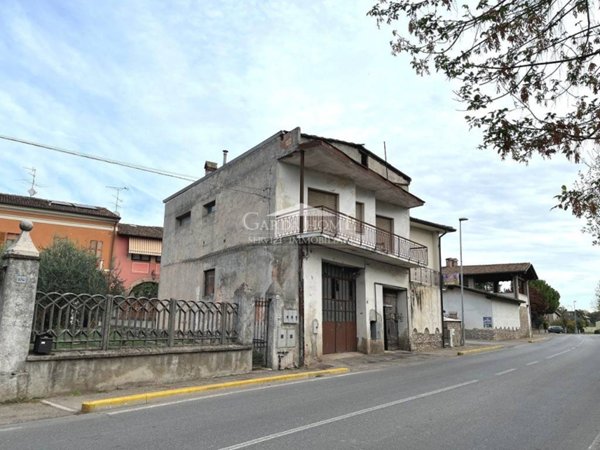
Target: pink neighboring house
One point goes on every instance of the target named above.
(137, 254)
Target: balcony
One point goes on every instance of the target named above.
(337, 229)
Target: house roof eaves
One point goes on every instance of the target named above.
(490, 295)
(142, 231)
(360, 147)
(34, 203)
(438, 226)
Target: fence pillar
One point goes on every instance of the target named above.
(245, 320)
(275, 295)
(18, 284)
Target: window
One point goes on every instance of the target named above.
(184, 219)
(360, 216)
(209, 282)
(96, 248)
(11, 238)
(138, 257)
(157, 259)
(210, 207)
(364, 159)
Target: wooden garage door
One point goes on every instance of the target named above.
(339, 309)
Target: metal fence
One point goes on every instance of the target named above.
(349, 230)
(260, 342)
(97, 322)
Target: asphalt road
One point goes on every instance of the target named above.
(532, 396)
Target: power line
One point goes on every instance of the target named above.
(99, 158)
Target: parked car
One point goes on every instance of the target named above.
(556, 329)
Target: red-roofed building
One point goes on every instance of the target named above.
(91, 227)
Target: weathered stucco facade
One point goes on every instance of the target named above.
(319, 225)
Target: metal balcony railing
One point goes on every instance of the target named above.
(349, 230)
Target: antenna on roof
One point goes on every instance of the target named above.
(32, 191)
(116, 197)
(387, 175)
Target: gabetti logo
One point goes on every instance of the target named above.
(287, 222)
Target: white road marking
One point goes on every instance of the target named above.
(237, 391)
(345, 416)
(505, 372)
(558, 354)
(595, 444)
(57, 406)
(10, 429)
(532, 363)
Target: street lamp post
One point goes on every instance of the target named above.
(462, 292)
(575, 316)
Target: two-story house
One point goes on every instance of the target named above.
(90, 227)
(495, 298)
(321, 224)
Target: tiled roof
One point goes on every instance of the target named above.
(143, 231)
(56, 205)
(490, 269)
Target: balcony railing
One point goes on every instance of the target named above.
(349, 230)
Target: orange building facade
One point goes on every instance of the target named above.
(90, 227)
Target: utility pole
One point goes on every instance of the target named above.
(462, 290)
(575, 316)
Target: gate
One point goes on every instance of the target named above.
(260, 342)
(339, 309)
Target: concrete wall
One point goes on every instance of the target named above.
(105, 371)
(505, 315)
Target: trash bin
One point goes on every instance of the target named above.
(42, 345)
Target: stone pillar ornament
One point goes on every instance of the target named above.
(18, 283)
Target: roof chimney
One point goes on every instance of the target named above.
(209, 167)
(451, 262)
(225, 156)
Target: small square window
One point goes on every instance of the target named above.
(210, 207)
(157, 259)
(184, 219)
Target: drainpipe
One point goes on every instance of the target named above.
(440, 236)
(301, 266)
(112, 247)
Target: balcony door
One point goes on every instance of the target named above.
(324, 219)
(385, 227)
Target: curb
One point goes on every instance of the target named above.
(94, 405)
(480, 350)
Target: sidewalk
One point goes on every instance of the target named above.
(14, 413)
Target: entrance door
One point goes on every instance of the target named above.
(385, 227)
(325, 219)
(339, 309)
(390, 318)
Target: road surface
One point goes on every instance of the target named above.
(533, 396)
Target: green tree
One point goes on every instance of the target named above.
(544, 299)
(148, 289)
(528, 74)
(66, 268)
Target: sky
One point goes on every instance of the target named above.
(169, 85)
